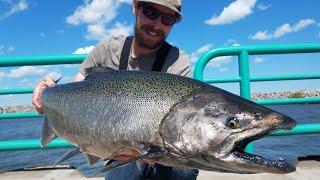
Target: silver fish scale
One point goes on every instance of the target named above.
(116, 110)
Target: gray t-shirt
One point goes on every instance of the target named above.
(107, 54)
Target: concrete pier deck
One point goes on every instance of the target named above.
(306, 170)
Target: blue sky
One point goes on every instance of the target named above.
(31, 27)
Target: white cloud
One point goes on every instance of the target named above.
(195, 55)
(15, 8)
(215, 63)
(70, 66)
(2, 74)
(95, 32)
(28, 82)
(7, 97)
(261, 35)
(1, 49)
(26, 70)
(223, 69)
(10, 49)
(119, 29)
(258, 60)
(96, 14)
(230, 42)
(283, 30)
(237, 10)
(219, 61)
(4, 49)
(98, 31)
(42, 35)
(302, 24)
(84, 50)
(263, 7)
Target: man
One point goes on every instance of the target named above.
(146, 51)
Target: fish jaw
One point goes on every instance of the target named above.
(199, 134)
(260, 129)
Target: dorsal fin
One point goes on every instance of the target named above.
(93, 72)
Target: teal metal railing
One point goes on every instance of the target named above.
(244, 79)
(29, 144)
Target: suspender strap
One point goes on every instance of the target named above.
(161, 56)
(125, 53)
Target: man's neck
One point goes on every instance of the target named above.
(137, 51)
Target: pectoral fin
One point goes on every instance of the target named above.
(153, 152)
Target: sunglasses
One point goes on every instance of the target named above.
(153, 14)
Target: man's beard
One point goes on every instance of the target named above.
(148, 43)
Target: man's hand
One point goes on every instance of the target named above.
(44, 83)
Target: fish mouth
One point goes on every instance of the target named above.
(259, 163)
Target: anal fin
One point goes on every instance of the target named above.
(92, 158)
(47, 134)
(68, 155)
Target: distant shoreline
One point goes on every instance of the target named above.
(286, 94)
(255, 96)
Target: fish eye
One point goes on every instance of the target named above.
(233, 122)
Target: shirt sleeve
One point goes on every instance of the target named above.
(181, 66)
(96, 57)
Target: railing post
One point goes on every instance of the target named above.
(244, 74)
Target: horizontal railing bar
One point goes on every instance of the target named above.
(33, 144)
(17, 115)
(41, 60)
(285, 77)
(252, 50)
(16, 91)
(264, 78)
(289, 101)
(223, 80)
(281, 49)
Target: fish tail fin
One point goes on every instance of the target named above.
(68, 155)
(47, 134)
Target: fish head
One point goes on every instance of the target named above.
(211, 130)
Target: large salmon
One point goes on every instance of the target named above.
(174, 120)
